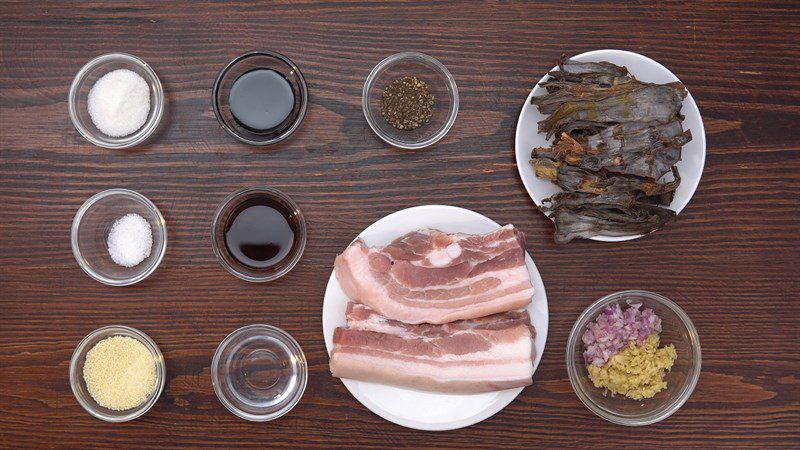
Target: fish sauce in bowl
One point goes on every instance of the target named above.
(258, 234)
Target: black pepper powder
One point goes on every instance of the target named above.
(407, 103)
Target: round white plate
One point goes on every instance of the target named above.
(417, 409)
(693, 155)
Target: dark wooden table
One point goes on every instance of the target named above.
(731, 260)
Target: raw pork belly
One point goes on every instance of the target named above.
(434, 277)
(468, 356)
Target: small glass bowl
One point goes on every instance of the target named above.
(78, 384)
(90, 229)
(224, 214)
(677, 329)
(85, 80)
(442, 85)
(259, 372)
(245, 63)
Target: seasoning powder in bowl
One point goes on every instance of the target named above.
(119, 102)
(120, 373)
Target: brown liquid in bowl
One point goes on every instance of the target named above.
(260, 233)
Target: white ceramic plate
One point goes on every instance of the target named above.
(412, 408)
(693, 155)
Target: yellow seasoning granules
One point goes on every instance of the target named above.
(120, 373)
(637, 372)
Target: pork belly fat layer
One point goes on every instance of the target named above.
(467, 356)
(428, 276)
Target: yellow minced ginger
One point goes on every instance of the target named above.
(636, 372)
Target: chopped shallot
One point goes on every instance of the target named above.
(614, 329)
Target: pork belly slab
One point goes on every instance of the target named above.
(429, 276)
(467, 356)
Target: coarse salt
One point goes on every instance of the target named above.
(119, 102)
(130, 240)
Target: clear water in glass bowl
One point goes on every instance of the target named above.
(259, 372)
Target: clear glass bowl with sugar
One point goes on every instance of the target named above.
(78, 99)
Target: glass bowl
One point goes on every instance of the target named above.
(247, 62)
(90, 229)
(79, 99)
(259, 372)
(442, 85)
(78, 384)
(230, 207)
(677, 329)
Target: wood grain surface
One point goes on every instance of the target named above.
(730, 260)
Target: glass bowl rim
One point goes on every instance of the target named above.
(302, 233)
(143, 133)
(303, 99)
(152, 347)
(76, 221)
(646, 418)
(449, 81)
(285, 338)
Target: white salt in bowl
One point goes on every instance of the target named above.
(90, 229)
(85, 80)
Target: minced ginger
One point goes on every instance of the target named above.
(636, 372)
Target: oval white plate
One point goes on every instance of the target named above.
(425, 410)
(693, 155)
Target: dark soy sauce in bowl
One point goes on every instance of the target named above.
(261, 100)
(260, 97)
(258, 234)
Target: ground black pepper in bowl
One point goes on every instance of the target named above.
(407, 103)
